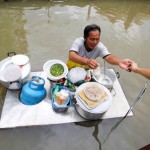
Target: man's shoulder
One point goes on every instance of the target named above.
(101, 45)
(79, 40)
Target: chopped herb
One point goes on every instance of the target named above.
(56, 70)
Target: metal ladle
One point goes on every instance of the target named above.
(105, 81)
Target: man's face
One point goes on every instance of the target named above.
(93, 39)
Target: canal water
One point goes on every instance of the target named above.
(45, 30)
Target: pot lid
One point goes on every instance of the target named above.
(20, 59)
(12, 73)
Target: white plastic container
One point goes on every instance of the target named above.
(97, 72)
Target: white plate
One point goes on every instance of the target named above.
(12, 73)
(3, 64)
(104, 106)
(20, 59)
(25, 69)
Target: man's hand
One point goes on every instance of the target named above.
(125, 64)
(92, 63)
(133, 67)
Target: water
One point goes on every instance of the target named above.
(45, 30)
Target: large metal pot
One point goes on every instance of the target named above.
(106, 75)
(98, 111)
(25, 70)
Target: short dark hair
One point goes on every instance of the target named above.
(89, 28)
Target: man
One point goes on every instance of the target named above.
(86, 49)
(141, 71)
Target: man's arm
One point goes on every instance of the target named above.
(143, 72)
(123, 63)
(112, 59)
(76, 58)
(82, 60)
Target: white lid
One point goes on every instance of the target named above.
(12, 73)
(20, 59)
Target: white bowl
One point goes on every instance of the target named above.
(48, 65)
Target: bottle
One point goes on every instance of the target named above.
(97, 72)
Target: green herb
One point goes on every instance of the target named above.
(56, 70)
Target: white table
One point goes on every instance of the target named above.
(16, 114)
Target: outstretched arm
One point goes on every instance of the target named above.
(141, 71)
(123, 63)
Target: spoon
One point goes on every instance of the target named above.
(105, 80)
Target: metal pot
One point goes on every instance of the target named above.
(107, 74)
(25, 70)
(98, 111)
(87, 115)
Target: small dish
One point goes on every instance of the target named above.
(20, 59)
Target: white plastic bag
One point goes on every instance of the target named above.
(76, 74)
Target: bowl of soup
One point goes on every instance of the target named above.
(55, 69)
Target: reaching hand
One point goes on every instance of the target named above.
(125, 64)
(133, 66)
(92, 63)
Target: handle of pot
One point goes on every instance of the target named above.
(113, 92)
(19, 81)
(8, 54)
(74, 101)
(118, 75)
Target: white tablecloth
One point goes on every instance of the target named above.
(16, 114)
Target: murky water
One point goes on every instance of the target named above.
(45, 30)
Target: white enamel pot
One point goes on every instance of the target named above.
(14, 85)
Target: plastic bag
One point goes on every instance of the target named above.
(76, 74)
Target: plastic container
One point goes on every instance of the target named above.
(57, 107)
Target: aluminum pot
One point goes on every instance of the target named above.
(25, 70)
(107, 74)
(98, 111)
(87, 115)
